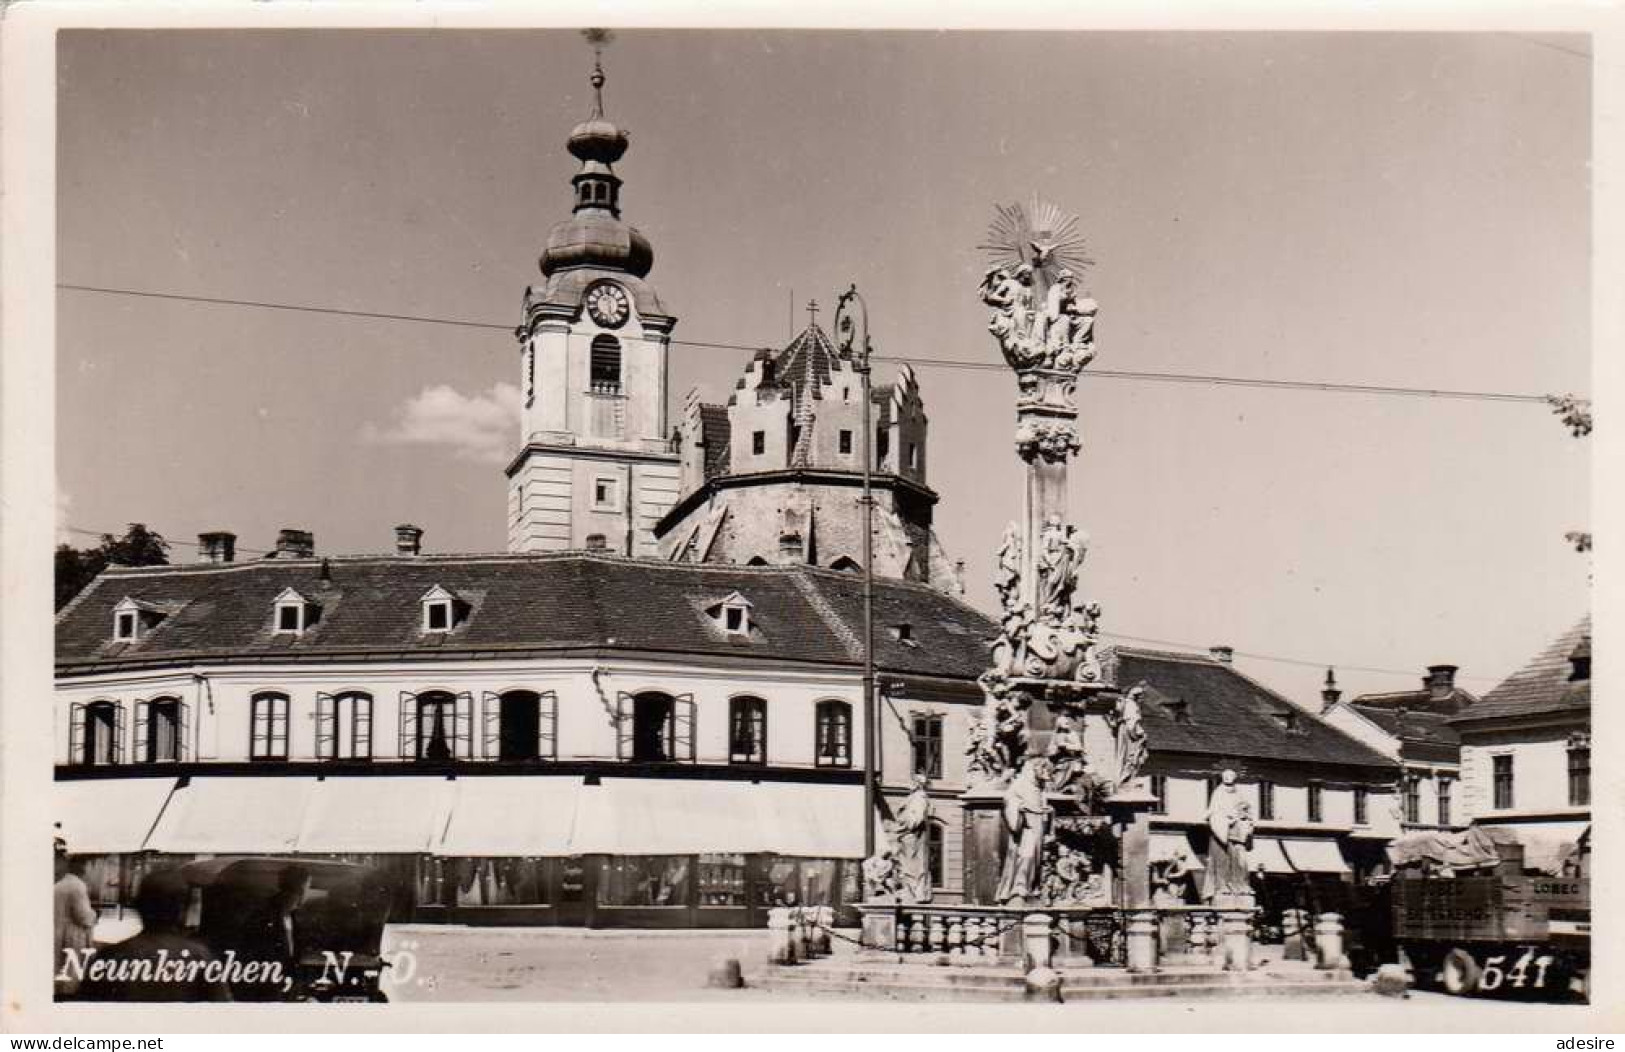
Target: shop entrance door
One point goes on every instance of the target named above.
(577, 890)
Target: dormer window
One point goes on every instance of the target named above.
(134, 620)
(903, 632)
(294, 613)
(1580, 661)
(732, 615)
(441, 610)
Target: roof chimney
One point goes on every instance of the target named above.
(1222, 654)
(1329, 694)
(295, 544)
(408, 539)
(217, 547)
(1440, 681)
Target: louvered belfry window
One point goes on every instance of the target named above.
(606, 365)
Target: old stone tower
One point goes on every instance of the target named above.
(773, 477)
(595, 468)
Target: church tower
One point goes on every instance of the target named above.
(596, 467)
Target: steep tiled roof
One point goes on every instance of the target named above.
(1430, 728)
(805, 365)
(715, 432)
(1422, 700)
(371, 606)
(1228, 714)
(1543, 686)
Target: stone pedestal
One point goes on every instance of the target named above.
(1294, 937)
(1236, 939)
(879, 927)
(1141, 936)
(1329, 942)
(984, 843)
(1037, 941)
(1130, 810)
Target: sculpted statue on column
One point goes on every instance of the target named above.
(1027, 818)
(912, 848)
(1230, 824)
(1128, 734)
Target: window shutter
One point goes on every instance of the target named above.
(116, 753)
(361, 714)
(547, 726)
(409, 725)
(143, 730)
(462, 744)
(76, 733)
(623, 725)
(327, 727)
(491, 725)
(682, 718)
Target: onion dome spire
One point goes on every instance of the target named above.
(595, 236)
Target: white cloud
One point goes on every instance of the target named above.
(481, 427)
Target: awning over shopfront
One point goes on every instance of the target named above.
(105, 817)
(659, 816)
(519, 816)
(810, 821)
(1315, 856)
(1545, 844)
(1266, 854)
(230, 815)
(378, 815)
(1166, 846)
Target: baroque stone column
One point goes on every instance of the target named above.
(1056, 742)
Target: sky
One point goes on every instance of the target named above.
(1390, 209)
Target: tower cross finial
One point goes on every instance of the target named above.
(812, 312)
(598, 38)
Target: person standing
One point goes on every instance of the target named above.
(73, 921)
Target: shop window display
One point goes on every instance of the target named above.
(484, 882)
(799, 882)
(645, 880)
(722, 880)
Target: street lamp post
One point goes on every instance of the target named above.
(852, 330)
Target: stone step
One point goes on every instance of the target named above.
(921, 989)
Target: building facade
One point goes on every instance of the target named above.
(1413, 727)
(1526, 751)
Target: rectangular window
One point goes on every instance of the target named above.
(437, 617)
(722, 880)
(913, 456)
(882, 445)
(1580, 775)
(269, 740)
(124, 627)
(1501, 780)
(1266, 801)
(1362, 806)
(747, 739)
(846, 441)
(1413, 798)
(758, 443)
(834, 734)
(1444, 801)
(605, 494)
(287, 618)
(928, 746)
(1315, 811)
(1159, 789)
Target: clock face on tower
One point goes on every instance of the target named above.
(608, 305)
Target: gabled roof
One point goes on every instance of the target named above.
(1541, 688)
(1230, 714)
(1428, 728)
(716, 433)
(520, 603)
(1421, 700)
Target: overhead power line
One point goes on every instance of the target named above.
(931, 363)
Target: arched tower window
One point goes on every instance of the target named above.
(606, 365)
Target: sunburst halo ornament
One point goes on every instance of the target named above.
(1039, 235)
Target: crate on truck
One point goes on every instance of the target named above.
(1474, 919)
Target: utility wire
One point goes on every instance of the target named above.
(932, 363)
